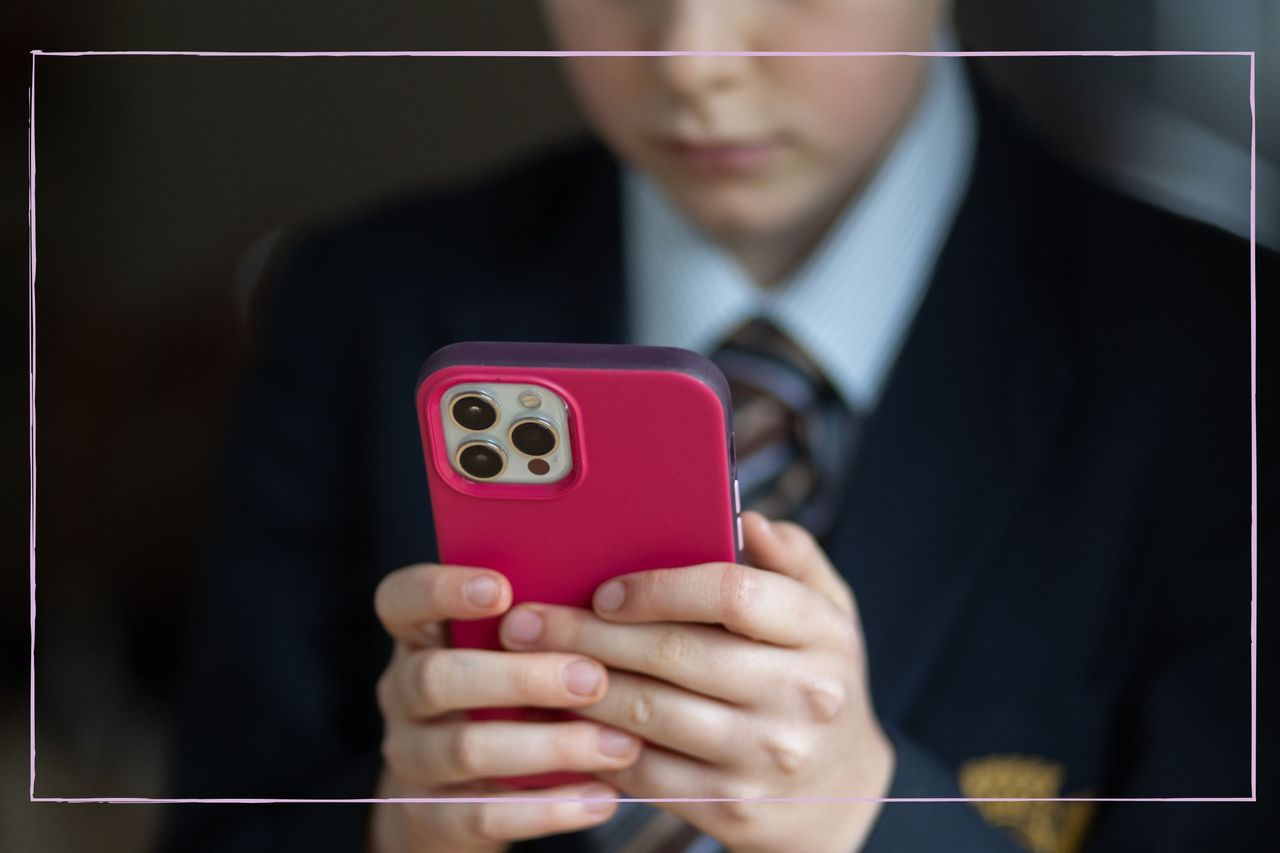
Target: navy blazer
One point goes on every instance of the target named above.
(1047, 525)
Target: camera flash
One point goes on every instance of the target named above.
(530, 400)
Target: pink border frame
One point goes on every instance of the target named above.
(1253, 387)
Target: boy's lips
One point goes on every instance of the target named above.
(720, 156)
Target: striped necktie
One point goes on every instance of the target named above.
(794, 437)
(794, 434)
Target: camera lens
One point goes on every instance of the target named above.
(481, 460)
(474, 412)
(533, 438)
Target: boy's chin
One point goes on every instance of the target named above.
(739, 219)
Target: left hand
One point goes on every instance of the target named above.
(745, 683)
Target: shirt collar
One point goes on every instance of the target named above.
(851, 302)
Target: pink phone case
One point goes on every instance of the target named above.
(653, 481)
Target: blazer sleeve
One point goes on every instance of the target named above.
(266, 707)
(924, 826)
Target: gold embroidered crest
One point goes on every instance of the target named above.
(1040, 827)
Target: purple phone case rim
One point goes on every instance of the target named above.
(588, 357)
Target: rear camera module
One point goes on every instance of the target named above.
(481, 460)
(474, 412)
(533, 437)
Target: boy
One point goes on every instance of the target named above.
(1043, 513)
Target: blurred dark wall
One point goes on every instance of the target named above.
(158, 177)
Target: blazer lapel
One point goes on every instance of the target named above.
(966, 419)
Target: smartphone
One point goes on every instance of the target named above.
(563, 465)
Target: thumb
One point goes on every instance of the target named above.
(788, 549)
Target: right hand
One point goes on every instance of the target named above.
(431, 749)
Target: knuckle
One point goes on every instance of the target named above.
(384, 595)
(656, 589)
(530, 682)
(429, 579)
(565, 627)
(380, 595)
(409, 582)
(558, 817)
(384, 690)
(788, 751)
(484, 823)
(392, 754)
(574, 745)
(795, 535)
(420, 758)
(671, 648)
(465, 751)
(631, 776)
(432, 634)
(429, 674)
(420, 585)
(825, 699)
(739, 591)
(421, 818)
(736, 806)
(639, 708)
(404, 755)
(849, 639)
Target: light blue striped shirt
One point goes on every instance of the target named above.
(850, 304)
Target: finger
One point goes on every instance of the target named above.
(663, 714)
(568, 808)
(661, 774)
(755, 603)
(409, 599)
(446, 753)
(701, 658)
(431, 682)
(789, 549)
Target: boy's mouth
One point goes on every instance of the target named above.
(720, 156)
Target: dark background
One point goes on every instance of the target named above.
(162, 182)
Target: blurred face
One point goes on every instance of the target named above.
(761, 152)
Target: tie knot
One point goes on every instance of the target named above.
(761, 356)
(792, 430)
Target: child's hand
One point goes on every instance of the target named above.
(431, 749)
(772, 704)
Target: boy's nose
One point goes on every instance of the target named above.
(703, 25)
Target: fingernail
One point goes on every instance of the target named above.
(582, 677)
(481, 591)
(524, 626)
(610, 596)
(598, 798)
(615, 743)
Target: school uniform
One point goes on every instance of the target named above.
(1046, 521)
